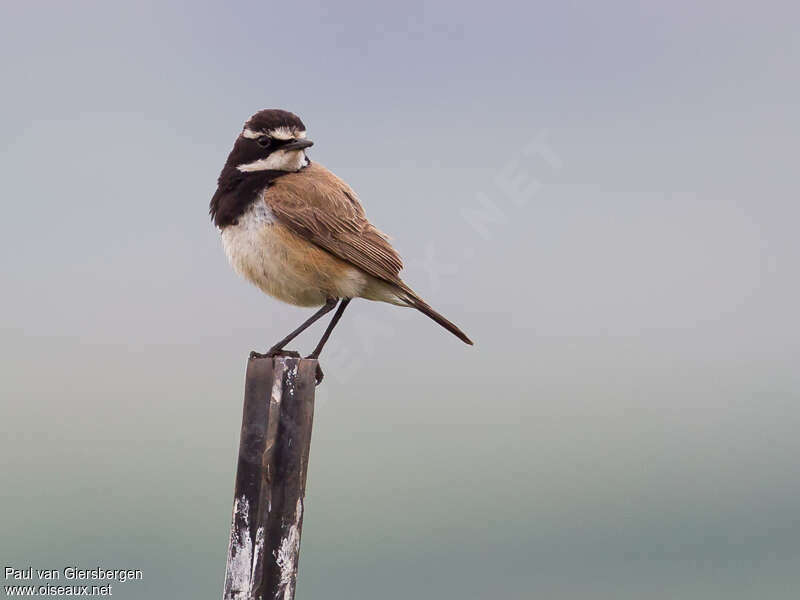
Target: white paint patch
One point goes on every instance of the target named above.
(280, 160)
(279, 133)
(258, 552)
(286, 555)
(291, 379)
(244, 552)
(277, 387)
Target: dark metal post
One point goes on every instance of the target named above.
(270, 479)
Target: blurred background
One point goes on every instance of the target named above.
(603, 195)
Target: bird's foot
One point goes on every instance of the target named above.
(272, 353)
(319, 375)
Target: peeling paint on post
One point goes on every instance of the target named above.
(270, 479)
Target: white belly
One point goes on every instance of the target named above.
(282, 265)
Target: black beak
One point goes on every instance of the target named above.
(297, 145)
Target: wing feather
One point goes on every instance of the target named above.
(320, 207)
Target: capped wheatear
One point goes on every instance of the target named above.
(299, 233)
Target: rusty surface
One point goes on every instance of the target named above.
(270, 479)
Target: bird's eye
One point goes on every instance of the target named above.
(264, 141)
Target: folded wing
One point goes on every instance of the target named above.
(320, 207)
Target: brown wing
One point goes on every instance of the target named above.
(317, 205)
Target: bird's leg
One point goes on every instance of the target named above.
(277, 349)
(315, 354)
(337, 315)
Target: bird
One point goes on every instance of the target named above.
(300, 234)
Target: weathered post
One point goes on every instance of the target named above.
(270, 479)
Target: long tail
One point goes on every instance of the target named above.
(425, 309)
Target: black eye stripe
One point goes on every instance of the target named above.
(267, 142)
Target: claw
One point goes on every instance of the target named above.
(319, 375)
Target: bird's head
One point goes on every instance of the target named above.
(272, 143)
(271, 140)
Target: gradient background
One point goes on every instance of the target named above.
(604, 196)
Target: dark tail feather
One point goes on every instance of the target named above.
(425, 309)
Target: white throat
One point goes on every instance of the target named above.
(280, 160)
